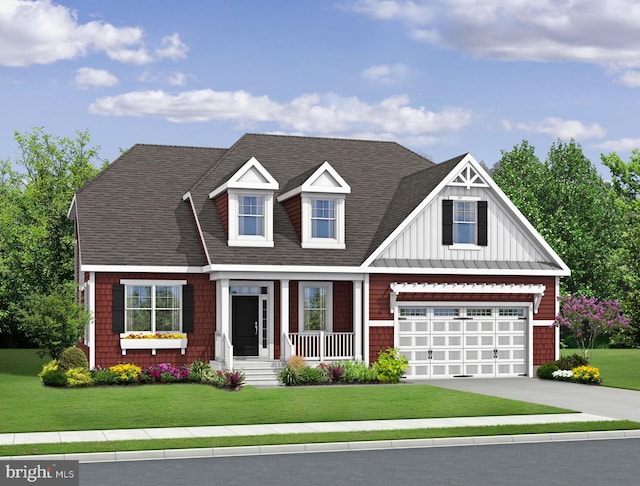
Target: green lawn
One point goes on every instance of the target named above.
(28, 406)
(619, 368)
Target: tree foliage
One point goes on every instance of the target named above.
(52, 321)
(36, 238)
(572, 207)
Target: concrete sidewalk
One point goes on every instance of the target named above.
(293, 428)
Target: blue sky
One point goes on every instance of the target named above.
(441, 77)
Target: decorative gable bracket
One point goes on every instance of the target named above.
(468, 177)
(425, 288)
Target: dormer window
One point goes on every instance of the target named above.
(247, 200)
(323, 218)
(250, 215)
(464, 223)
(320, 213)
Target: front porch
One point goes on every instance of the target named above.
(273, 320)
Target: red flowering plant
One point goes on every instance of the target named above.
(164, 373)
(587, 318)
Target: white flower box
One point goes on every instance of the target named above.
(152, 344)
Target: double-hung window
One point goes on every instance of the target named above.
(251, 215)
(153, 308)
(464, 222)
(316, 308)
(323, 218)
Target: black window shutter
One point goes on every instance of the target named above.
(447, 222)
(117, 308)
(187, 308)
(482, 223)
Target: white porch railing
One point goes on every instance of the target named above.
(225, 348)
(323, 345)
(288, 349)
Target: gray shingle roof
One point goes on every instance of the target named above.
(133, 212)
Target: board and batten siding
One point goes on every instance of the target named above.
(508, 239)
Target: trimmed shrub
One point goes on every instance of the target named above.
(73, 357)
(77, 377)
(390, 365)
(570, 362)
(545, 371)
(55, 378)
(105, 377)
(358, 372)
(313, 376)
(50, 366)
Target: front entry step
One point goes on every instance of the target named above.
(258, 372)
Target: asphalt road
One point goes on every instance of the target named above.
(584, 463)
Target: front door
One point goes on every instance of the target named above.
(244, 325)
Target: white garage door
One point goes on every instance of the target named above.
(443, 342)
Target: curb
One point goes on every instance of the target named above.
(152, 455)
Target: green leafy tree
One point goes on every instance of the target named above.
(36, 238)
(572, 207)
(52, 321)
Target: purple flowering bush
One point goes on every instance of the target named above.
(164, 373)
(587, 318)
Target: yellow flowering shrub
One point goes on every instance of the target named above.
(127, 372)
(586, 374)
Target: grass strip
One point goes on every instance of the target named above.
(307, 438)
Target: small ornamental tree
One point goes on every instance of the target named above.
(587, 318)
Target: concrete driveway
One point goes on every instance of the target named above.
(597, 400)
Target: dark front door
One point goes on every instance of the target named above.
(244, 324)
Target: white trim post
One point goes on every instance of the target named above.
(92, 321)
(357, 319)
(365, 318)
(284, 315)
(223, 307)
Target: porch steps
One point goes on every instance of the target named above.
(259, 373)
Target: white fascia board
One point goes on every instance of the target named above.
(418, 209)
(297, 269)
(72, 211)
(140, 269)
(188, 197)
(306, 276)
(466, 271)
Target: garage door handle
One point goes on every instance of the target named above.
(495, 354)
(430, 356)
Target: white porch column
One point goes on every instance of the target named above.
(284, 314)
(92, 321)
(357, 319)
(365, 317)
(222, 307)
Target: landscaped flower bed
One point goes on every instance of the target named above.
(389, 368)
(574, 368)
(59, 374)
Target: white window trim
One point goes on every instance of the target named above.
(329, 305)
(153, 284)
(323, 243)
(235, 239)
(466, 246)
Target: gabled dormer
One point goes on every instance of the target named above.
(245, 205)
(316, 207)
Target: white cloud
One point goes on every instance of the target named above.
(42, 32)
(631, 79)
(328, 114)
(620, 145)
(592, 31)
(172, 48)
(559, 128)
(94, 78)
(386, 74)
(177, 79)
